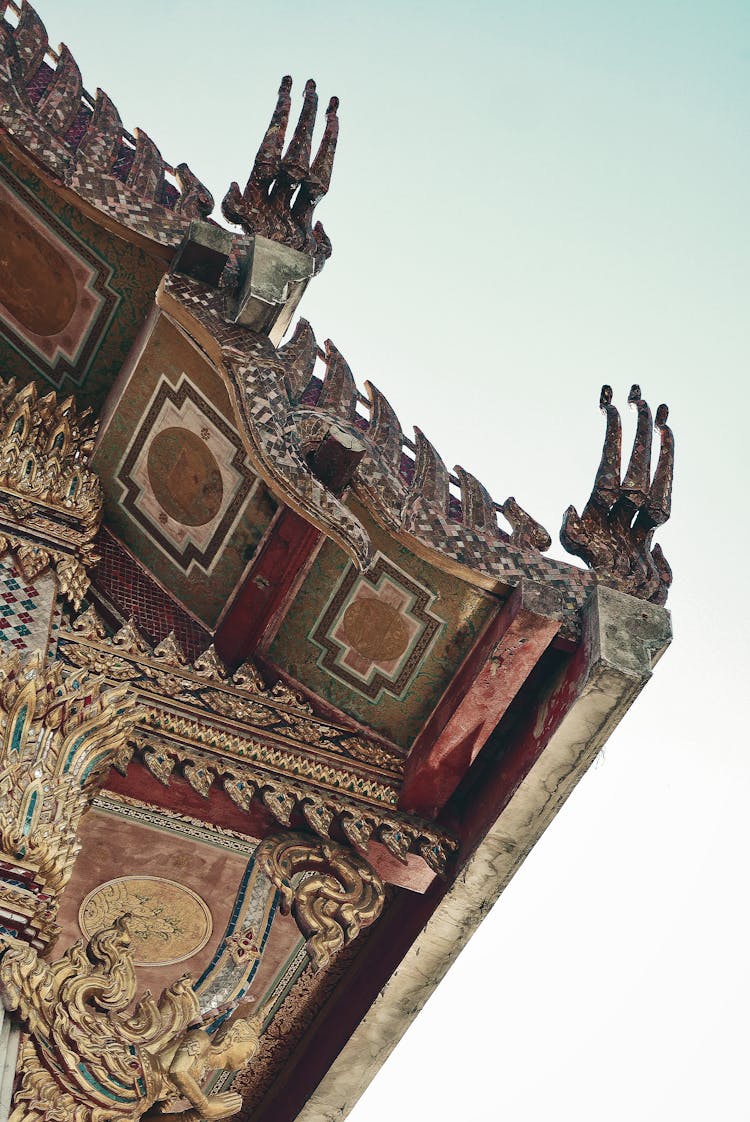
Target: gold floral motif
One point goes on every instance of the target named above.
(86, 1059)
(242, 698)
(262, 745)
(168, 921)
(47, 490)
(331, 907)
(287, 798)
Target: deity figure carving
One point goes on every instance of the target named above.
(87, 1059)
(89, 1056)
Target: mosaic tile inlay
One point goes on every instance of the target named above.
(26, 608)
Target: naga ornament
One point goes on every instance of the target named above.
(87, 1059)
(613, 535)
(284, 189)
(343, 894)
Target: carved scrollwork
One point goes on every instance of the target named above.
(343, 894)
(614, 533)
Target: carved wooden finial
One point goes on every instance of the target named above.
(613, 535)
(284, 188)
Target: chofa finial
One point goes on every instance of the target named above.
(285, 187)
(613, 535)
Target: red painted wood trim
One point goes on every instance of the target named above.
(217, 809)
(486, 683)
(283, 561)
(214, 809)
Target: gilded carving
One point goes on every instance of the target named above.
(50, 500)
(343, 894)
(260, 744)
(87, 1059)
(326, 812)
(58, 738)
(243, 696)
(168, 921)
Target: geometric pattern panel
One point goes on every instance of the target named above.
(376, 629)
(73, 296)
(383, 645)
(26, 609)
(55, 298)
(184, 475)
(179, 491)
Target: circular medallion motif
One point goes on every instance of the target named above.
(169, 922)
(375, 629)
(185, 476)
(37, 285)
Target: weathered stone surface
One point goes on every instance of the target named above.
(203, 252)
(275, 278)
(9, 1037)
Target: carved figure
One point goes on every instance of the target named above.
(195, 201)
(283, 190)
(613, 535)
(88, 1060)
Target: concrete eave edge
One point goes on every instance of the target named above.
(624, 638)
(10, 1035)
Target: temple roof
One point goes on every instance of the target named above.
(328, 631)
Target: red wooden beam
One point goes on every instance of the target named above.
(477, 697)
(588, 690)
(280, 565)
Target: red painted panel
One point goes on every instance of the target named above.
(216, 808)
(281, 564)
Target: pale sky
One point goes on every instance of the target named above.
(531, 199)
